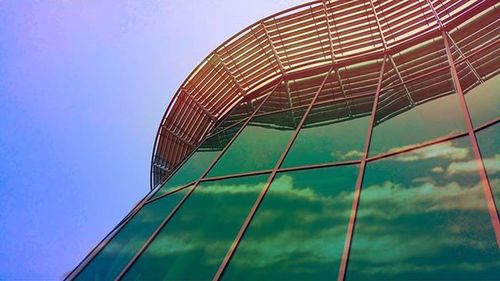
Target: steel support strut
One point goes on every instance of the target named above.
(359, 180)
(485, 183)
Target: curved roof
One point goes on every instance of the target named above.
(312, 38)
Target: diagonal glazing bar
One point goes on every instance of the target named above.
(257, 203)
(190, 97)
(410, 99)
(330, 36)
(390, 56)
(359, 180)
(275, 53)
(487, 190)
(170, 132)
(485, 183)
(172, 213)
(379, 27)
(235, 81)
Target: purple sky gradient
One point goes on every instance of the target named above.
(83, 85)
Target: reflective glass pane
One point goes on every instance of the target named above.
(483, 101)
(299, 230)
(109, 262)
(332, 132)
(417, 112)
(194, 167)
(423, 216)
(489, 145)
(260, 144)
(192, 245)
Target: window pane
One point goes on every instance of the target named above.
(260, 144)
(435, 113)
(490, 151)
(423, 216)
(109, 262)
(299, 230)
(330, 133)
(484, 101)
(193, 244)
(417, 102)
(194, 167)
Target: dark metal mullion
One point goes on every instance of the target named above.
(257, 203)
(487, 125)
(230, 176)
(170, 215)
(359, 181)
(487, 190)
(170, 192)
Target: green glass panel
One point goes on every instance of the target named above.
(260, 144)
(423, 216)
(298, 232)
(399, 125)
(193, 244)
(199, 161)
(483, 101)
(489, 145)
(110, 261)
(331, 133)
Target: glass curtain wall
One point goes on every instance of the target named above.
(272, 194)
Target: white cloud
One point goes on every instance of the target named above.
(438, 170)
(353, 154)
(492, 166)
(441, 150)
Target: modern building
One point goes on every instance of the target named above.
(348, 140)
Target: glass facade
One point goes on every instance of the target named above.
(381, 169)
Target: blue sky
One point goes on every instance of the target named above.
(83, 85)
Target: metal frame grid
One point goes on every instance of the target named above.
(310, 38)
(442, 20)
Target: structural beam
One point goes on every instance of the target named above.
(359, 181)
(276, 56)
(472, 68)
(189, 96)
(170, 132)
(236, 82)
(410, 99)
